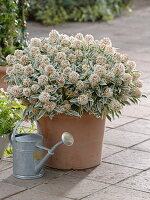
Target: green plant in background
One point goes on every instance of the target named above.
(8, 29)
(12, 27)
(48, 11)
(23, 6)
(8, 151)
(10, 113)
(58, 11)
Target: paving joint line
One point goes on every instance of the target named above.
(122, 165)
(5, 169)
(129, 147)
(13, 194)
(140, 143)
(113, 154)
(125, 123)
(134, 189)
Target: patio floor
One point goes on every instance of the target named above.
(125, 171)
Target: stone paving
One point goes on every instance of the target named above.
(125, 171)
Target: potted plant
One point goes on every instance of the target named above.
(10, 113)
(72, 83)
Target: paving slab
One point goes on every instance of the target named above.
(144, 146)
(49, 175)
(148, 117)
(5, 174)
(139, 126)
(130, 158)
(107, 173)
(138, 182)
(106, 129)
(141, 56)
(118, 193)
(108, 150)
(119, 121)
(145, 101)
(7, 190)
(144, 69)
(124, 138)
(137, 111)
(146, 87)
(71, 187)
(35, 195)
(5, 165)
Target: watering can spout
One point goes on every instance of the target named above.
(47, 156)
(67, 139)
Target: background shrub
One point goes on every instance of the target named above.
(13, 33)
(58, 11)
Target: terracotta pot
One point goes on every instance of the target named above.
(2, 77)
(88, 135)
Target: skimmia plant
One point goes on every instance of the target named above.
(71, 75)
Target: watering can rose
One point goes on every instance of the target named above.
(72, 75)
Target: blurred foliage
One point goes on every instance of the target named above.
(10, 113)
(8, 151)
(13, 33)
(59, 11)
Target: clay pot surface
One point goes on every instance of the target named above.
(88, 135)
(2, 77)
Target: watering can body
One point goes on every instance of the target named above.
(26, 155)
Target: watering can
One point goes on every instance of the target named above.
(28, 157)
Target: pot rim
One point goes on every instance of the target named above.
(85, 116)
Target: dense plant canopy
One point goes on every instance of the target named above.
(72, 75)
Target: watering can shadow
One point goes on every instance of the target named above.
(28, 159)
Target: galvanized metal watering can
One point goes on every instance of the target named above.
(28, 158)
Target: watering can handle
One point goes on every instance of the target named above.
(18, 124)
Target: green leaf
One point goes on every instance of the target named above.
(133, 100)
(73, 100)
(103, 83)
(74, 113)
(53, 98)
(24, 113)
(27, 110)
(108, 117)
(58, 110)
(113, 115)
(41, 114)
(98, 92)
(35, 96)
(38, 104)
(99, 107)
(144, 96)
